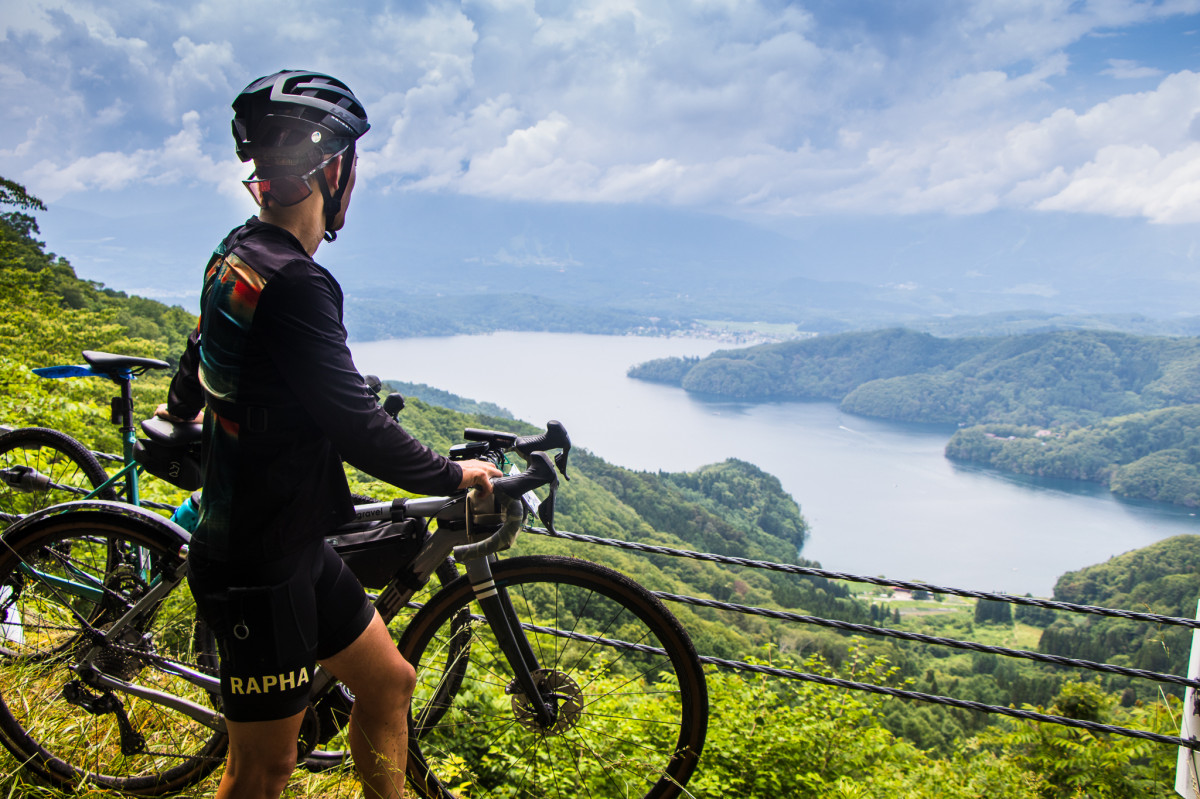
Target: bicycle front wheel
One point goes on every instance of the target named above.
(64, 583)
(40, 467)
(628, 693)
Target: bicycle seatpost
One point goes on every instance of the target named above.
(122, 369)
(122, 416)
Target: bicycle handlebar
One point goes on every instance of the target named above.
(555, 437)
(514, 515)
(541, 472)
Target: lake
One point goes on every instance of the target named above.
(880, 498)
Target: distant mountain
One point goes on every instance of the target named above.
(826, 274)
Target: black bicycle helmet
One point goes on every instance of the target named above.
(294, 120)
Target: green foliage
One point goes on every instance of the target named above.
(1077, 763)
(1034, 379)
(444, 399)
(990, 612)
(770, 738)
(1153, 455)
(1162, 578)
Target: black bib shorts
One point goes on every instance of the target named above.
(273, 621)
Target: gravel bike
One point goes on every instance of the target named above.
(41, 467)
(538, 676)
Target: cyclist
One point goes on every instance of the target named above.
(283, 406)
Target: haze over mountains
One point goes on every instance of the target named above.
(823, 274)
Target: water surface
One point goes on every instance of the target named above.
(880, 497)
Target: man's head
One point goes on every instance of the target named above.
(293, 124)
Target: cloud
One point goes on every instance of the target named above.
(1125, 180)
(1124, 69)
(738, 106)
(178, 160)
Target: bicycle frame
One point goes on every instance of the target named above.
(471, 531)
(454, 531)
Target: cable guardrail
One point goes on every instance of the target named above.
(948, 701)
(972, 646)
(807, 571)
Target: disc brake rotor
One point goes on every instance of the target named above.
(553, 685)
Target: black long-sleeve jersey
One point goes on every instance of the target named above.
(285, 403)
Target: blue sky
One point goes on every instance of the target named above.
(774, 115)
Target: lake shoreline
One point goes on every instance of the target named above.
(880, 497)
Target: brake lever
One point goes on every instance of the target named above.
(545, 510)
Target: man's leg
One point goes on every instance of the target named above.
(382, 682)
(262, 755)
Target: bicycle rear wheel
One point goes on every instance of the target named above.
(631, 705)
(64, 581)
(40, 467)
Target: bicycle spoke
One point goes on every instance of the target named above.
(616, 727)
(68, 586)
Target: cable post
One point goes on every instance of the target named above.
(1187, 781)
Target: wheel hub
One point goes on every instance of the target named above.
(557, 690)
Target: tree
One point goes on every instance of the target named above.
(988, 611)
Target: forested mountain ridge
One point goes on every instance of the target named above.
(1037, 379)
(1162, 578)
(1103, 406)
(48, 316)
(1153, 455)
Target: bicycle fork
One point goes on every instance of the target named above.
(502, 618)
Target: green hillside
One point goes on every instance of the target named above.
(1153, 455)
(768, 737)
(1162, 578)
(1104, 406)
(1036, 379)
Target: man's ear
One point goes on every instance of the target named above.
(332, 171)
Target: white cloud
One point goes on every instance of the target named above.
(732, 105)
(1125, 180)
(178, 160)
(1125, 69)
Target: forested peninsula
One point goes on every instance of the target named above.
(1115, 408)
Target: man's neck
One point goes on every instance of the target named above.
(305, 221)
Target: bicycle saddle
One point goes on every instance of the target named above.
(108, 363)
(172, 434)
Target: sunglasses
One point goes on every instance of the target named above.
(285, 190)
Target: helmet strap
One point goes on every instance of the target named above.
(333, 204)
(333, 200)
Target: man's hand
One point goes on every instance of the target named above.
(162, 413)
(478, 474)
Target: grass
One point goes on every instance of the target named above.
(335, 784)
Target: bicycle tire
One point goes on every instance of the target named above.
(70, 469)
(58, 726)
(632, 703)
